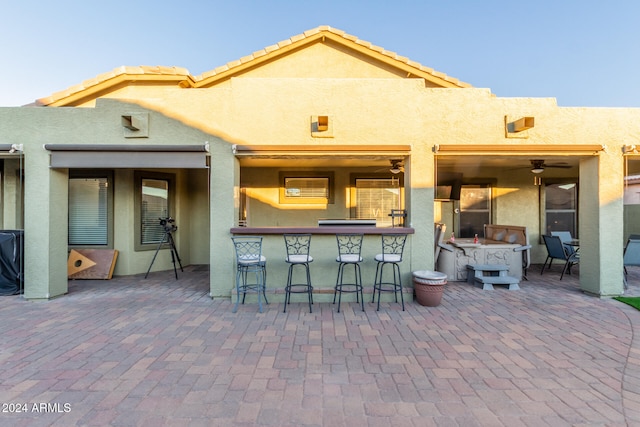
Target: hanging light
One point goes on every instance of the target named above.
(537, 166)
(396, 168)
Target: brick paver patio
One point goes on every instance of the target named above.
(158, 351)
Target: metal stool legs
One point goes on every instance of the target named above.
(395, 286)
(243, 286)
(298, 288)
(351, 287)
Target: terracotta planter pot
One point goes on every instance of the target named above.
(429, 287)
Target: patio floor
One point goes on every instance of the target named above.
(158, 351)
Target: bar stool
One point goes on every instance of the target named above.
(392, 249)
(298, 255)
(349, 249)
(249, 259)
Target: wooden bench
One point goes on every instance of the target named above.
(491, 274)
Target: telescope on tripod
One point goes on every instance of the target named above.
(169, 226)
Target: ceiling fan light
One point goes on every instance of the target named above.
(395, 170)
(537, 170)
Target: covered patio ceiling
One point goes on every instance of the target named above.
(452, 163)
(467, 164)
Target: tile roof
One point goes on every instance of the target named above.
(113, 78)
(182, 77)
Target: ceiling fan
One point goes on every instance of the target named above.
(538, 165)
(395, 168)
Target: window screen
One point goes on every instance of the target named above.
(375, 197)
(316, 188)
(561, 201)
(88, 211)
(155, 205)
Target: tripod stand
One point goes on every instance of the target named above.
(167, 238)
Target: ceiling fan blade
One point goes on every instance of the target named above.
(558, 165)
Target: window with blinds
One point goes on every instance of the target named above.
(376, 197)
(306, 187)
(155, 205)
(88, 211)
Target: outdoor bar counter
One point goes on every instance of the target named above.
(324, 250)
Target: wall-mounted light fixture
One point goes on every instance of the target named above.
(629, 149)
(321, 127)
(523, 123)
(323, 123)
(136, 125)
(516, 128)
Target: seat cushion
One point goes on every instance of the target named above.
(388, 258)
(299, 259)
(349, 258)
(251, 259)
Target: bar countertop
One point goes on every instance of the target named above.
(322, 230)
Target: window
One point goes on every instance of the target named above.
(560, 204)
(475, 209)
(90, 213)
(306, 187)
(632, 196)
(154, 201)
(376, 197)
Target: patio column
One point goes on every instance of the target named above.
(224, 184)
(45, 219)
(421, 207)
(601, 224)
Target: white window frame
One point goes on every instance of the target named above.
(395, 199)
(139, 177)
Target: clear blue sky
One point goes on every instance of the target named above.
(583, 53)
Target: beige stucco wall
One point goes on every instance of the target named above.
(273, 105)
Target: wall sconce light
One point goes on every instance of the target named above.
(135, 125)
(131, 122)
(522, 124)
(321, 127)
(323, 123)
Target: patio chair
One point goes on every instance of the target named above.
(631, 256)
(566, 238)
(556, 250)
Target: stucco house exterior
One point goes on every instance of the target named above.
(305, 130)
